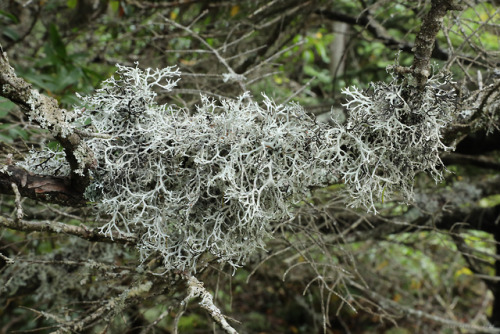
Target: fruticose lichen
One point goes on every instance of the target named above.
(49, 160)
(394, 132)
(208, 182)
(216, 179)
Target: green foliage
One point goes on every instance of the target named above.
(490, 201)
(191, 322)
(6, 17)
(72, 3)
(60, 72)
(9, 133)
(480, 28)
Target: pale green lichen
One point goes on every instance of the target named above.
(217, 179)
(394, 132)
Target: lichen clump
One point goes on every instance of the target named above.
(394, 132)
(215, 180)
(208, 182)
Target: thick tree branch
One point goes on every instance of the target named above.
(426, 38)
(465, 159)
(45, 111)
(51, 189)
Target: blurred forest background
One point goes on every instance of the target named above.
(429, 267)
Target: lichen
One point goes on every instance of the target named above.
(394, 132)
(46, 113)
(209, 182)
(214, 181)
(49, 160)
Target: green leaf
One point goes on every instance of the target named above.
(43, 81)
(323, 76)
(10, 33)
(114, 5)
(490, 201)
(10, 16)
(71, 3)
(5, 107)
(462, 271)
(57, 42)
(18, 132)
(320, 48)
(6, 139)
(308, 56)
(9, 133)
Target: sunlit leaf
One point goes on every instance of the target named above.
(462, 271)
(234, 10)
(490, 201)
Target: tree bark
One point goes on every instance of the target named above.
(426, 38)
(52, 189)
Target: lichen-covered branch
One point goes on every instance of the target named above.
(216, 181)
(45, 111)
(197, 290)
(425, 40)
(82, 231)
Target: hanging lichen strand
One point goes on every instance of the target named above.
(215, 180)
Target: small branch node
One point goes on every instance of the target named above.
(195, 290)
(19, 208)
(6, 259)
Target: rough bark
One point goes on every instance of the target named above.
(52, 189)
(425, 40)
(45, 111)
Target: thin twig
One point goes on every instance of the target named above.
(81, 231)
(19, 207)
(195, 290)
(232, 75)
(298, 91)
(6, 259)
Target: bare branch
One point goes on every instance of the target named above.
(19, 208)
(82, 231)
(52, 189)
(409, 311)
(479, 161)
(232, 75)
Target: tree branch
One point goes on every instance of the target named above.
(378, 31)
(51, 189)
(45, 111)
(412, 312)
(426, 38)
(195, 290)
(465, 159)
(82, 231)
